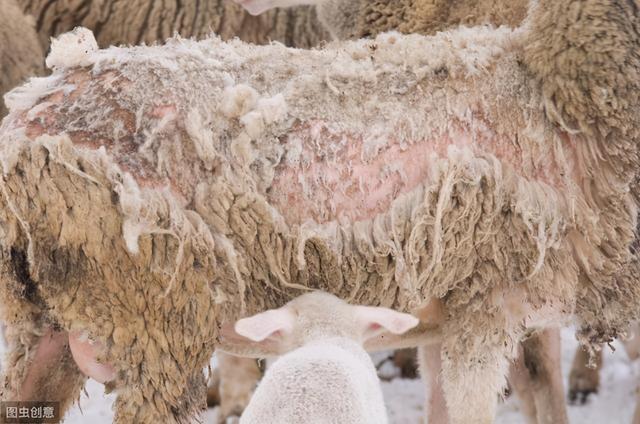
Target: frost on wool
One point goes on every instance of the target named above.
(72, 49)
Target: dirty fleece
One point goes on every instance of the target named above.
(152, 193)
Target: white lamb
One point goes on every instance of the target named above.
(325, 375)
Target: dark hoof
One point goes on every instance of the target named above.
(580, 397)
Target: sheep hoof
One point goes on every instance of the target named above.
(232, 420)
(581, 396)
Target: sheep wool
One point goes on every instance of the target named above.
(479, 169)
(20, 51)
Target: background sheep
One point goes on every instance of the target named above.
(353, 19)
(20, 52)
(133, 22)
(324, 373)
(147, 21)
(155, 254)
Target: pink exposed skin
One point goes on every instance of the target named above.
(336, 180)
(85, 354)
(50, 352)
(338, 175)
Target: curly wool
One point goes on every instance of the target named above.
(149, 255)
(20, 52)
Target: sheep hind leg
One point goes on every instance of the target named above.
(430, 365)
(476, 352)
(213, 389)
(520, 381)
(39, 367)
(542, 359)
(238, 379)
(632, 347)
(584, 380)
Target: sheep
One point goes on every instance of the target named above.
(24, 39)
(323, 373)
(162, 191)
(346, 19)
(129, 22)
(353, 19)
(20, 51)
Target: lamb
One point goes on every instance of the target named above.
(485, 171)
(324, 373)
(353, 19)
(20, 51)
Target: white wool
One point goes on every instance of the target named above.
(131, 232)
(238, 100)
(267, 111)
(24, 97)
(341, 386)
(253, 123)
(242, 150)
(72, 49)
(202, 136)
(273, 109)
(293, 151)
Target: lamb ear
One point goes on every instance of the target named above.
(377, 320)
(266, 324)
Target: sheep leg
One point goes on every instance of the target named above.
(636, 415)
(541, 355)
(521, 383)
(471, 388)
(632, 345)
(584, 380)
(405, 359)
(238, 379)
(480, 343)
(430, 365)
(213, 389)
(40, 367)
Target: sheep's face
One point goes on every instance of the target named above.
(317, 316)
(256, 7)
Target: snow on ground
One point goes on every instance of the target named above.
(614, 405)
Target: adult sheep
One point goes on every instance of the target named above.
(128, 22)
(353, 19)
(24, 37)
(20, 51)
(152, 194)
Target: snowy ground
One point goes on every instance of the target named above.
(614, 405)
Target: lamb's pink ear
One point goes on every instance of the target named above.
(259, 336)
(378, 320)
(266, 324)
